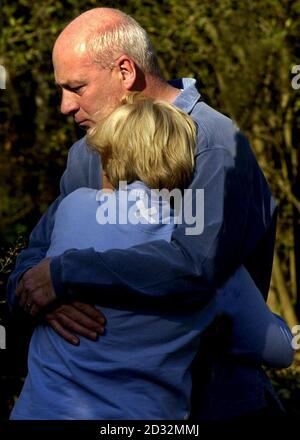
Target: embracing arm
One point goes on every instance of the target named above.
(189, 267)
(255, 333)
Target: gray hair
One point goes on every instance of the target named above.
(126, 37)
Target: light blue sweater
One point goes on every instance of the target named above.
(140, 367)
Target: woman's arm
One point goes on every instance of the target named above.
(257, 333)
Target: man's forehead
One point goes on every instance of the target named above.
(70, 60)
(64, 49)
(71, 73)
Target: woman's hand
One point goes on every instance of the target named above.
(79, 318)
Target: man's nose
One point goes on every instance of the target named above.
(69, 103)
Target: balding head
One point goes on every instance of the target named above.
(78, 31)
(103, 34)
(98, 58)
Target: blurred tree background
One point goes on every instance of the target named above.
(242, 55)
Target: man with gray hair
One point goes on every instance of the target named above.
(100, 56)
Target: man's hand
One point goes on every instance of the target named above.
(35, 290)
(83, 319)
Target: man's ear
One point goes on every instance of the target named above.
(127, 71)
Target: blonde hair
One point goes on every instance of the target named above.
(124, 37)
(148, 140)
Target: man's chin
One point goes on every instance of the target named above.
(85, 125)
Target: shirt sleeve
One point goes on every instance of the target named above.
(188, 268)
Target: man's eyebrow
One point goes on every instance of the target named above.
(69, 85)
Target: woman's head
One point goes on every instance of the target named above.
(148, 140)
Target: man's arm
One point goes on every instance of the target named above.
(188, 268)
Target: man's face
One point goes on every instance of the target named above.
(89, 93)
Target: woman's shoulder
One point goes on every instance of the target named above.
(78, 198)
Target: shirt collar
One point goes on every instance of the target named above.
(189, 96)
